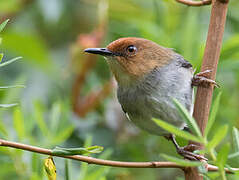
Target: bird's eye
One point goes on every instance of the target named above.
(131, 49)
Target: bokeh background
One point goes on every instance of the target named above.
(70, 100)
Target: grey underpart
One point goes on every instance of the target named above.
(151, 97)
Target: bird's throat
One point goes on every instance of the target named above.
(122, 77)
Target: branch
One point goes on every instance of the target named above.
(84, 104)
(90, 160)
(210, 61)
(195, 3)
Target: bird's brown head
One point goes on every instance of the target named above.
(132, 58)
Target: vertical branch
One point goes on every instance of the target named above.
(210, 61)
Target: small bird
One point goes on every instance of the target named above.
(149, 76)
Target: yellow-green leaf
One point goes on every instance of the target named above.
(176, 131)
(19, 123)
(2, 25)
(76, 151)
(10, 61)
(218, 136)
(188, 118)
(181, 162)
(213, 114)
(50, 168)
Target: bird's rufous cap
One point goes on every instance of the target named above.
(137, 56)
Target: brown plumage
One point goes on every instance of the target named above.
(149, 55)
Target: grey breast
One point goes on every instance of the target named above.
(152, 97)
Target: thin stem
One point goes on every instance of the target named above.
(103, 162)
(223, 175)
(212, 155)
(210, 61)
(195, 3)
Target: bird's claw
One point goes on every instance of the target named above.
(187, 153)
(200, 79)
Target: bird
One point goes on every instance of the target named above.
(149, 76)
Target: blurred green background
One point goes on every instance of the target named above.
(69, 99)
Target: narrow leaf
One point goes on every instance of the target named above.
(187, 118)
(233, 155)
(3, 130)
(39, 117)
(63, 135)
(8, 105)
(181, 162)
(1, 56)
(176, 131)
(2, 25)
(235, 137)
(19, 123)
(213, 114)
(67, 170)
(55, 117)
(222, 156)
(50, 168)
(218, 137)
(76, 151)
(14, 86)
(10, 61)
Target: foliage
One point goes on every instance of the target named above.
(47, 36)
(219, 159)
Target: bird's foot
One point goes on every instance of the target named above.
(187, 153)
(200, 79)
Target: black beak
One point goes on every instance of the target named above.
(100, 51)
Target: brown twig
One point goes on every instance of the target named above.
(90, 160)
(83, 104)
(195, 3)
(210, 61)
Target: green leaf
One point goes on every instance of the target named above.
(19, 123)
(176, 131)
(188, 118)
(2, 25)
(10, 61)
(8, 105)
(1, 56)
(222, 156)
(233, 155)
(3, 130)
(181, 162)
(76, 151)
(88, 141)
(39, 119)
(55, 116)
(38, 53)
(213, 175)
(67, 170)
(63, 135)
(218, 137)
(235, 138)
(14, 86)
(36, 164)
(213, 114)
